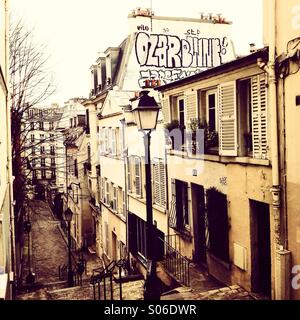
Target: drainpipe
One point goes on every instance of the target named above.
(282, 256)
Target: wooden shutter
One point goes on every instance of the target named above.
(129, 175)
(113, 142)
(156, 182)
(259, 117)
(172, 213)
(228, 119)
(162, 175)
(190, 100)
(165, 105)
(138, 180)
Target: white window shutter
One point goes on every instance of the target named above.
(228, 119)
(129, 175)
(156, 184)
(259, 117)
(165, 105)
(190, 100)
(138, 181)
(162, 174)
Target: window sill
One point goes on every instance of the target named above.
(221, 159)
(118, 215)
(184, 234)
(142, 200)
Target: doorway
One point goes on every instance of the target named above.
(260, 248)
(114, 247)
(200, 227)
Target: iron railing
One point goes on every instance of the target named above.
(103, 282)
(176, 264)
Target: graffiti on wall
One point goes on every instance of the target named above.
(169, 58)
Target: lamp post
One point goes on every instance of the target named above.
(146, 110)
(68, 218)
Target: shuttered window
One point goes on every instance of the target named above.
(259, 117)
(159, 182)
(172, 216)
(191, 105)
(113, 141)
(165, 105)
(228, 119)
(107, 190)
(138, 178)
(129, 175)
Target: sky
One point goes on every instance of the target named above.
(75, 31)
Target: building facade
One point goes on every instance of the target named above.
(116, 177)
(7, 263)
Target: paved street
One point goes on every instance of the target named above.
(49, 249)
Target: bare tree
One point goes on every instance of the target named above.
(31, 83)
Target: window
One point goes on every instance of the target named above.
(181, 113)
(33, 162)
(53, 173)
(42, 137)
(33, 151)
(71, 123)
(32, 137)
(52, 161)
(245, 118)
(113, 141)
(76, 168)
(41, 125)
(51, 126)
(211, 110)
(32, 125)
(141, 238)
(114, 198)
(30, 113)
(107, 192)
(106, 139)
(87, 126)
(159, 183)
(51, 137)
(43, 162)
(179, 218)
(102, 190)
(42, 149)
(89, 154)
(129, 174)
(43, 172)
(34, 174)
(52, 150)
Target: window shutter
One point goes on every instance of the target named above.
(156, 184)
(172, 214)
(124, 203)
(190, 100)
(113, 142)
(138, 182)
(107, 192)
(162, 174)
(228, 119)
(259, 117)
(165, 105)
(129, 175)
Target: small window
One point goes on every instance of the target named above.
(211, 110)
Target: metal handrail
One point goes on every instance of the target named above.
(176, 264)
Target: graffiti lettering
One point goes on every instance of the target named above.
(165, 76)
(192, 32)
(143, 28)
(166, 51)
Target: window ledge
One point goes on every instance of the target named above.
(221, 159)
(142, 200)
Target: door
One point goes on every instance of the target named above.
(260, 248)
(199, 224)
(114, 247)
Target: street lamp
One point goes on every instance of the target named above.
(146, 110)
(68, 218)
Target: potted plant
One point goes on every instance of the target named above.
(211, 137)
(174, 124)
